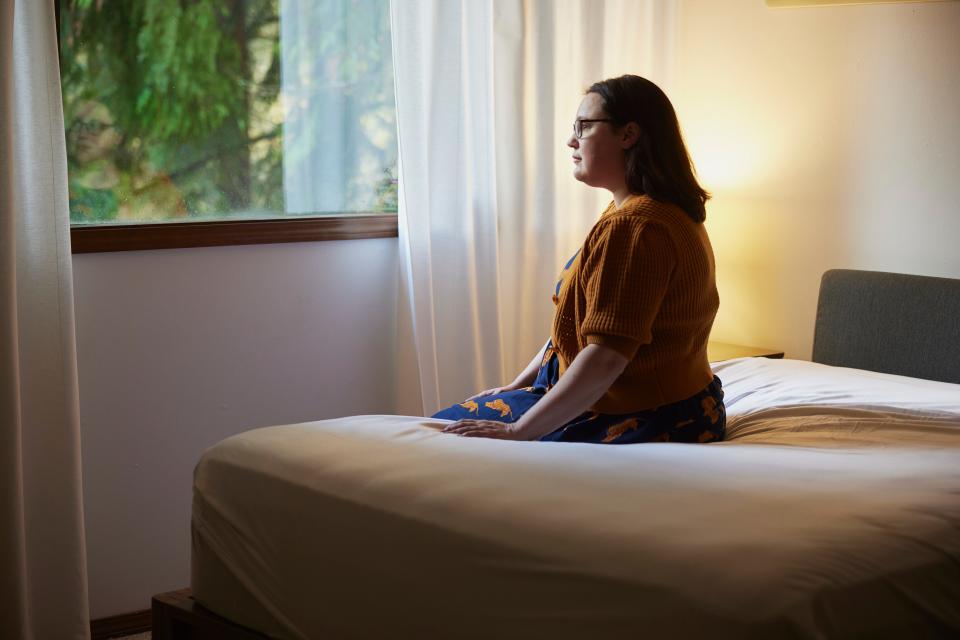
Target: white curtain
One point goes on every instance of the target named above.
(43, 581)
(486, 93)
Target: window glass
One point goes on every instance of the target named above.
(181, 110)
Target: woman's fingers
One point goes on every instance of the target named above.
(485, 433)
(479, 429)
(459, 425)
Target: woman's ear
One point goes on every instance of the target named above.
(629, 135)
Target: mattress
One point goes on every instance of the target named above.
(831, 510)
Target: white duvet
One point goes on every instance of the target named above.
(832, 510)
(796, 402)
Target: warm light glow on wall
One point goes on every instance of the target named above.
(826, 138)
(817, 3)
(740, 149)
(727, 159)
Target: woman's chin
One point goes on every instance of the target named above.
(581, 176)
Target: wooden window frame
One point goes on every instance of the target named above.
(217, 233)
(179, 235)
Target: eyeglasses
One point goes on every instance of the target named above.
(578, 125)
(90, 126)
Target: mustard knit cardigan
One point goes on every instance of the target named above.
(643, 283)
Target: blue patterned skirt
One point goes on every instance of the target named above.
(699, 418)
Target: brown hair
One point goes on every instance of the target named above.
(658, 164)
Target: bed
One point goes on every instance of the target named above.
(832, 509)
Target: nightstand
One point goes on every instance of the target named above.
(717, 351)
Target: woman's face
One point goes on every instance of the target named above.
(598, 157)
(94, 135)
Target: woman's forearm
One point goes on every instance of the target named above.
(583, 383)
(526, 377)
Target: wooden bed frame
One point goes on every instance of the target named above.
(177, 616)
(886, 322)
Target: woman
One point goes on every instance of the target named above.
(627, 357)
(103, 190)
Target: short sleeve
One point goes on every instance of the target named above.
(625, 278)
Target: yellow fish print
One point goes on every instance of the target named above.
(663, 437)
(499, 405)
(682, 424)
(620, 428)
(707, 436)
(470, 406)
(710, 409)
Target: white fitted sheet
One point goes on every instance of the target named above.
(832, 509)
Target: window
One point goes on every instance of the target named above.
(262, 114)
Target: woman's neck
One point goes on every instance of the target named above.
(620, 195)
(100, 174)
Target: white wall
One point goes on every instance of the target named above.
(830, 137)
(181, 348)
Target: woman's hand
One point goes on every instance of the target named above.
(484, 429)
(525, 379)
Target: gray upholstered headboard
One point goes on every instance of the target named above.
(889, 322)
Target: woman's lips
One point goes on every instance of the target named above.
(576, 158)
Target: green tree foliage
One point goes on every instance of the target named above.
(189, 90)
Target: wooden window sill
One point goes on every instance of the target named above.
(176, 235)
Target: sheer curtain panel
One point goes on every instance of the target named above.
(43, 578)
(486, 93)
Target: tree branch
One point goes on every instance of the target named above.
(193, 166)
